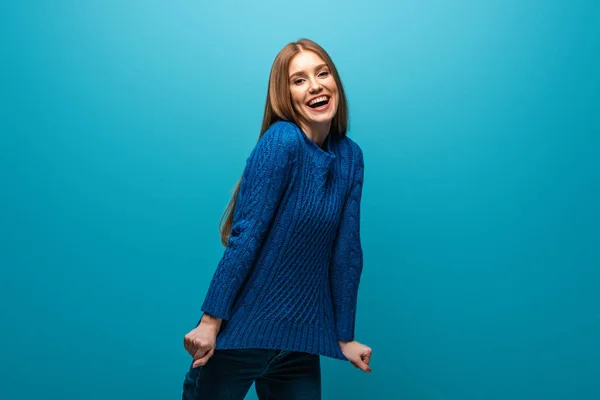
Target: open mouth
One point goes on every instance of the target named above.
(319, 102)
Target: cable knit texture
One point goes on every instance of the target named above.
(289, 277)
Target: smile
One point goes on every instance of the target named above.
(320, 103)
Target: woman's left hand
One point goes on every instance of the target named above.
(358, 354)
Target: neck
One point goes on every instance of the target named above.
(316, 132)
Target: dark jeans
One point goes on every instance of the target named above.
(276, 374)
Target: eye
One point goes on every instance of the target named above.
(323, 73)
(298, 81)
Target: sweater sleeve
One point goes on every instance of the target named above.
(347, 261)
(263, 183)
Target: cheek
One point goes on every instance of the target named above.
(331, 85)
(297, 98)
(337, 104)
(336, 98)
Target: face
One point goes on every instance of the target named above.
(313, 90)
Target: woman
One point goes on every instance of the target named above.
(285, 290)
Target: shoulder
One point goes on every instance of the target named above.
(284, 135)
(279, 143)
(284, 132)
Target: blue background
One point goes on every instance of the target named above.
(125, 126)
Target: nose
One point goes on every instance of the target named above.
(314, 86)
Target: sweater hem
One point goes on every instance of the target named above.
(280, 335)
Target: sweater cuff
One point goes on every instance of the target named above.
(218, 302)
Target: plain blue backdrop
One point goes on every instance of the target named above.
(126, 124)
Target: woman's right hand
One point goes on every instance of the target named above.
(200, 341)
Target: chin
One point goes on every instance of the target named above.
(323, 120)
(320, 119)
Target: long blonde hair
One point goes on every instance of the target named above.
(279, 107)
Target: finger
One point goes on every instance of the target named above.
(367, 358)
(198, 346)
(200, 352)
(190, 346)
(186, 344)
(203, 360)
(363, 366)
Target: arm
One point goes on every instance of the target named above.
(347, 261)
(215, 322)
(263, 183)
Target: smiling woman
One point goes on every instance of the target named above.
(285, 290)
(314, 93)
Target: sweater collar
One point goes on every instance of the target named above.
(322, 157)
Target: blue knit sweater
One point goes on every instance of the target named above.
(289, 277)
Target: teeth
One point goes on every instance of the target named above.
(322, 98)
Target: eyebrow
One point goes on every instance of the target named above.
(302, 72)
